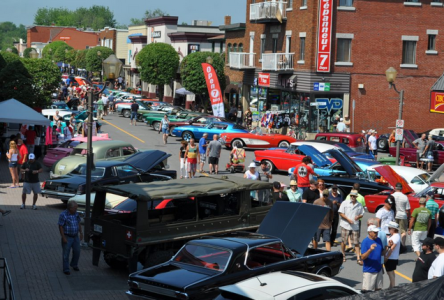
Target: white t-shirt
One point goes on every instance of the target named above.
(402, 204)
(372, 142)
(385, 216)
(396, 240)
(437, 267)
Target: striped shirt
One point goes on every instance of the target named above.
(70, 223)
(433, 207)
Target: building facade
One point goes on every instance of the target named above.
(115, 39)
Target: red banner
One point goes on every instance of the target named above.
(437, 102)
(264, 79)
(213, 86)
(323, 57)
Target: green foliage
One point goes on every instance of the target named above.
(94, 61)
(14, 50)
(61, 53)
(15, 80)
(10, 33)
(80, 59)
(27, 51)
(50, 50)
(10, 57)
(148, 15)
(70, 56)
(192, 74)
(158, 62)
(95, 17)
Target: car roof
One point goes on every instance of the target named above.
(104, 143)
(321, 147)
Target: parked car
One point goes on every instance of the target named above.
(155, 119)
(58, 105)
(256, 139)
(204, 265)
(50, 113)
(285, 285)
(201, 120)
(103, 150)
(353, 140)
(350, 152)
(124, 108)
(147, 166)
(196, 132)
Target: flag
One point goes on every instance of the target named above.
(217, 102)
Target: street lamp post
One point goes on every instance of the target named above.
(390, 74)
(33, 54)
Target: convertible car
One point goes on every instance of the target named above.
(256, 139)
(196, 121)
(202, 266)
(196, 132)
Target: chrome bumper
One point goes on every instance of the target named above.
(131, 296)
(57, 195)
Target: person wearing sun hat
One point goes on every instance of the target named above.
(392, 256)
(251, 173)
(293, 193)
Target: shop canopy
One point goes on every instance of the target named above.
(13, 111)
(183, 91)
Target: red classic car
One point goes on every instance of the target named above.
(375, 202)
(256, 139)
(196, 121)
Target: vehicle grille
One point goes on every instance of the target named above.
(157, 289)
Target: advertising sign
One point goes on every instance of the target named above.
(437, 102)
(321, 86)
(156, 34)
(217, 102)
(323, 57)
(329, 104)
(193, 48)
(65, 38)
(264, 79)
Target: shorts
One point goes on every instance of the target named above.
(418, 156)
(354, 236)
(403, 225)
(165, 131)
(372, 281)
(390, 265)
(13, 164)
(374, 152)
(213, 160)
(325, 233)
(192, 168)
(34, 187)
(133, 115)
(203, 158)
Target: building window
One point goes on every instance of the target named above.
(275, 44)
(414, 1)
(234, 49)
(228, 52)
(241, 48)
(345, 2)
(288, 45)
(303, 3)
(302, 48)
(262, 46)
(431, 43)
(409, 52)
(221, 47)
(289, 4)
(344, 50)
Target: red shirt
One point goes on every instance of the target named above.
(23, 154)
(302, 172)
(30, 137)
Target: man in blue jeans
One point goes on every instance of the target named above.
(134, 110)
(70, 228)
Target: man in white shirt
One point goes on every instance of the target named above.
(372, 144)
(105, 104)
(341, 126)
(437, 268)
(402, 211)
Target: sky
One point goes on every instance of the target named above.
(23, 11)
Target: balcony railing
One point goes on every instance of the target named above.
(277, 61)
(241, 60)
(268, 11)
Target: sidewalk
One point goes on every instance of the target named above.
(30, 241)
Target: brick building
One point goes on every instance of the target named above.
(115, 39)
(286, 64)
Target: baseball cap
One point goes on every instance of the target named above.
(422, 200)
(430, 193)
(373, 228)
(283, 185)
(439, 241)
(399, 186)
(354, 193)
(389, 201)
(427, 241)
(293, 182)
(277, 185)
(334, 186)
(341, 119)
(393, 224)
(31, 156)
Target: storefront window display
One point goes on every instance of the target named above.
(323, 116)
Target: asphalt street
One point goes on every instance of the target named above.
(144, 137)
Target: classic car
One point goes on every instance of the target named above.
(376, 201)
(200, 267)
(163, 109)
(196, 132)
(285, 285)
(103, 150)
(155, 119)
(144, 166)
(353, 140)
(64, 149)
(124, 109)
(201, 120)
(350, 152)
(256, 139)
(58, 105)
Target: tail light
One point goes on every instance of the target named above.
(133, 284)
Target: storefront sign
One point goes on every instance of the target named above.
(323, 57)
(329, 104)
(193, 48)
(65, 38)
(213, 86)
(156, 34)
(264, 79)
(437, 102)
(321, 86)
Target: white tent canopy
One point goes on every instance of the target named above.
(13, 111)
(183, 91)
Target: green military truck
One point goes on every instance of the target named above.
(168, 214)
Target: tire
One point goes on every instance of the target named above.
(324, 272)
(126, 113)
(232, 169)
(187, 135)
(283, 144)
(269, 165)
(114, 261)
(171, 130)
(158, 257)
(383, 144)
(237, 143)
(156, 126)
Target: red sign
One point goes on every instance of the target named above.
(217, 102)
(437, 102)
(65, 38)
(264, 79)
(323, 57)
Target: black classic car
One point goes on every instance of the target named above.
(147, 166)
(202, 266)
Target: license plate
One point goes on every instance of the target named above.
(98, 228)
(62, 167)
(60, 188)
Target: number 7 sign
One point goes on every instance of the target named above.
(325, 22)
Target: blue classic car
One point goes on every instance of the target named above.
(196, 132)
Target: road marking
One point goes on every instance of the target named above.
(403, 276)
(123, 131)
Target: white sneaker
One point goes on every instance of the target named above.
(22, 206)
(34, 207)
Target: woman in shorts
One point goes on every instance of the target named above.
(392, 255)
(13, 156)
(164, 127)
(192, 155)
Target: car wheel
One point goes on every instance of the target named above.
(156, 126)
(324, 272)
(114, 261)
(171, 130)
(238, 143)
(187, 135)
(383, 144)
(126, 113)
(284, 144)
(269, 165)
(157, 258)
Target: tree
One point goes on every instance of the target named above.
(14, 50)
(70, 57)
(27, 51)
(94, 61)
(158, 63)
(148, 15)
(50, 50)
(61, 53)
(80, 59)
(10, 33)
(15, 80)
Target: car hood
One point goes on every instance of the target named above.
(68, 163)
(437, 173)
(393, 178)
(284, 217)
(147, 160)
(318, 158)
(346, 162)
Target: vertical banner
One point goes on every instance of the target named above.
(323, 56)
(217, 102)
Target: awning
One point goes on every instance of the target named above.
(26, 114)
(183, 91)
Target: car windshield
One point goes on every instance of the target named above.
(257, 131)
(81, 171)
(204, 256)
(421, 179)
(79, 151)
